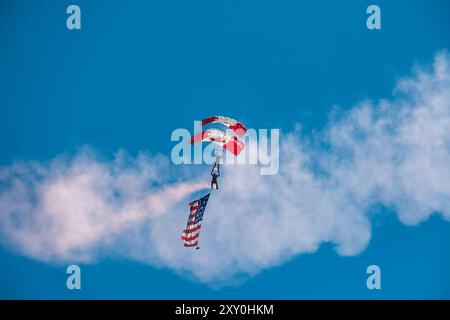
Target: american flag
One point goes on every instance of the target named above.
(191, 233)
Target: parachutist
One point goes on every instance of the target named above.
(214, 176)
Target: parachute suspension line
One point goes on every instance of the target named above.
(219, 155)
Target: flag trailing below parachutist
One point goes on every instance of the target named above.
(191, 233)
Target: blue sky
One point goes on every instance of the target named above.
(138, 70)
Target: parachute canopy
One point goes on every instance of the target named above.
(234, 125)
(229, 143)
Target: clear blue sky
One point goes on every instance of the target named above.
(137, 65)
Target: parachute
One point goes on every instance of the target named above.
(229, 143)
(234, 125)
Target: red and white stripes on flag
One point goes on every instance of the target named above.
(191, 233)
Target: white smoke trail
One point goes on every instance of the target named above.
(394, 152)
(64, 210)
